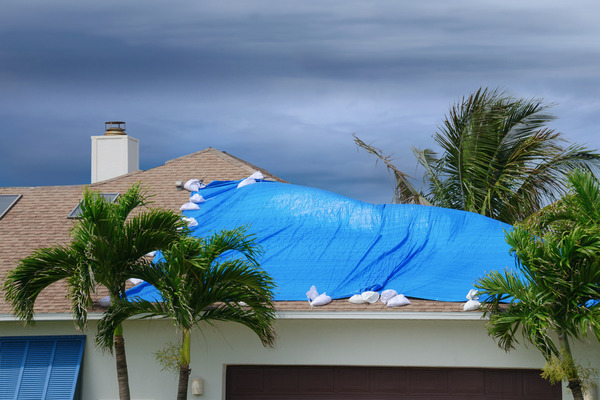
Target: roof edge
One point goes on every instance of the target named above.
(370, 315)
(314, 315)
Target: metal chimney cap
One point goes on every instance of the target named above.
(114, 128)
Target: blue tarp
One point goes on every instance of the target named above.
(345, 246)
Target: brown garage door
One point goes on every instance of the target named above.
(382, 383)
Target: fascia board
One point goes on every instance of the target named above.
(317, 315)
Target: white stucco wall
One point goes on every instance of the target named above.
(373, 342)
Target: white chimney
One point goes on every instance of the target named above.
(115, 153)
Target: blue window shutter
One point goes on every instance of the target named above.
(40, 367)
(65, 369)
(12, 358)
(35, 371)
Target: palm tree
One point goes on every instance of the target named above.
(581, 206)
(200, 282)
(498, 159)
(556, 290)
(108, 244)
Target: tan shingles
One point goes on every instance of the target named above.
(417, 305)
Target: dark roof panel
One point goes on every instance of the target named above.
(7, 201)
(112, 197)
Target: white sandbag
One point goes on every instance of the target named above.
(471, 305)
(196, 198)
(256, 176)
(136, 281)
(386, 295)
(191, 222)
(321, 300)
(193, 185)
(472, 295)
(398, 301)
(370, 297)
(357, 299)
(312, 293)
(247, 181)
(105, 301)
(189, 206)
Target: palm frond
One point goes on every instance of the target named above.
(557, 290)
(36, 272)
(235, 240)
(119, 311)
(404, 191)
(135, 197)
(200, 283)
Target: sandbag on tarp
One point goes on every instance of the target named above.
(346, 247)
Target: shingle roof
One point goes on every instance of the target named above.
(39, 219)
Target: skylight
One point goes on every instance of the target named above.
(111, 197)
(7, 201)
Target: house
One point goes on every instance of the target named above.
(425, 350)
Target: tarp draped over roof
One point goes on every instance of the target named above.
(345, 246)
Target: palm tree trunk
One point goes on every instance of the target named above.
(184, 377)
(573, 378)
(184, 365)
(121, 360)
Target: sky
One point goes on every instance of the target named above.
(283, 85)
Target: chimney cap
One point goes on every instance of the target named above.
(114, 128)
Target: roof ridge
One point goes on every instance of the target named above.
(221, 154)
(206, 150)
(246, 165)
(158, 166)
(225, 156)
(251, 167)
(139, 171)
(41, 186)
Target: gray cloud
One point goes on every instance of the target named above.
(283, 85)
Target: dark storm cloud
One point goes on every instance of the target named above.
(283, 85)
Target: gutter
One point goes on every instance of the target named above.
(370, 315)
(314, 315)
(49, 317)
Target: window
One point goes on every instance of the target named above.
(111, 197)
(7, 201)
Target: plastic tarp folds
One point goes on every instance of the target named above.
(346, 247)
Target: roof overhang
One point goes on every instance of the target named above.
(305, 315)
